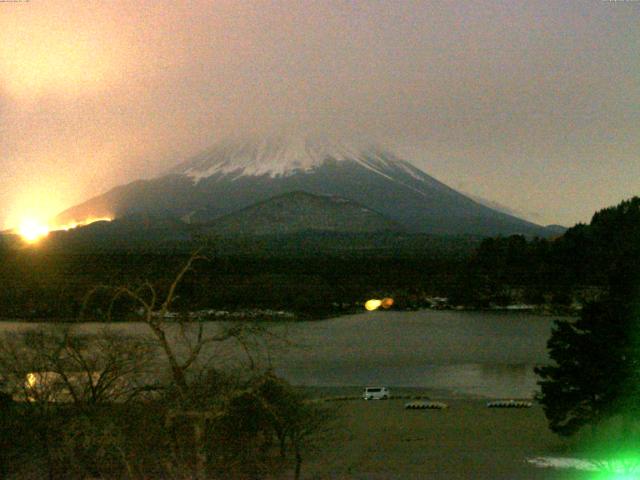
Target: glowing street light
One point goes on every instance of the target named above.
(372, 304)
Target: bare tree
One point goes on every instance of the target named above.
(157, 316)
(55, 363)
(60, 374)
(182, 341)
(299, 423)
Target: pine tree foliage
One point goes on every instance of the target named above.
(596, 371)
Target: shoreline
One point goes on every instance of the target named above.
(542, 312)
(354, 393)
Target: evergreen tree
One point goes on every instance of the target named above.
(596, 370)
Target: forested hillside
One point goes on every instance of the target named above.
(585, 256)
(318, 275)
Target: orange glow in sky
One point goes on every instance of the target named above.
(34, 213)
(36, 205)
(46, 51)
(96, 94)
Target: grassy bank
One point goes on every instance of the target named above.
(382, 440)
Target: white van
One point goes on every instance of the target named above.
(376, 393)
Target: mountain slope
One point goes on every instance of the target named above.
(301, 212)
(234, 175)
(122, 233)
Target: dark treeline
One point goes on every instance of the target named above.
(592, 379)
(586, 256)
(41, 284)
(317, 276)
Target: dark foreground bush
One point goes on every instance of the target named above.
(262, 429)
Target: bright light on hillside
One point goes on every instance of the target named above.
(87, 221)
(32, 230)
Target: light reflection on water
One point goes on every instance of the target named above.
(482, 354)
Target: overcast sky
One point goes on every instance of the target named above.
(532, 104)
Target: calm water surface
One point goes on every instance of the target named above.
(459, 353)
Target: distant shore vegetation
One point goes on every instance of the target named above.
(301, 278)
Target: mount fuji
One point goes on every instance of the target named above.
(234, 175)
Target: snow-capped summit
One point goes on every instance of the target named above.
(273, 156)
(282, 156)
(236, 174)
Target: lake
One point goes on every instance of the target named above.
(454, 353)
